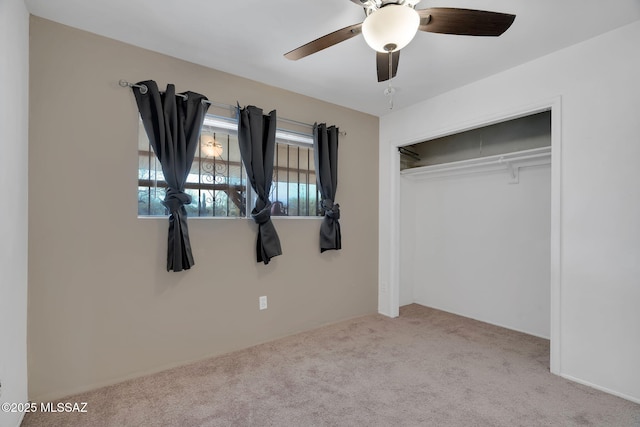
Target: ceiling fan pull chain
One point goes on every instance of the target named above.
(390, 90)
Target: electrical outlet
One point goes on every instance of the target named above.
(262, 301)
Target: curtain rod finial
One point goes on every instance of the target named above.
(124, 83)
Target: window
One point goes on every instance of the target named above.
(217, 182)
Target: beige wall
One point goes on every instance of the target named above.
(101, 306)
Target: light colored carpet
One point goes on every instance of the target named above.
(425, 368)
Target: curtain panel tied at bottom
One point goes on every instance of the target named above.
(325, 150)
(173, 126)
(257, 141)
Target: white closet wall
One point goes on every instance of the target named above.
(479, 246)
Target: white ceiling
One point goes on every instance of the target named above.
(249, 37)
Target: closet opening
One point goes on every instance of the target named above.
(475, 220)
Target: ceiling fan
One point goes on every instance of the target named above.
(390, 25)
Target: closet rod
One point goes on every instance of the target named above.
(143, 90)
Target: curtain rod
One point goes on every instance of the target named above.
(143, 90)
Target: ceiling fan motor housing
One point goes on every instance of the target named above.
(390, 28)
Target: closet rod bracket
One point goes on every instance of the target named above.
(514, 171)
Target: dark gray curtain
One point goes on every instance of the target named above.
(257, 140)
(173, 125)
(325, 149)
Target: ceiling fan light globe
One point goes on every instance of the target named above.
(391, 25)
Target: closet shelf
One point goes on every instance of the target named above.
(508, 162)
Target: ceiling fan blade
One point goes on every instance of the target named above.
(466, 22)
(382, 63)
(324, 42)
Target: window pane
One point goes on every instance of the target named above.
(144, 158)
(236, 179)
(143, 201)
(156, 208)
(206, 202)
(217, 179)
(192, 208)
(294, 188)
(293, 199)
(293, 152)
(304, 194)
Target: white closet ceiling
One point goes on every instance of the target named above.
(249, 38)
